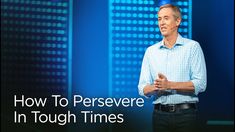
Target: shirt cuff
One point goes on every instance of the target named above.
(197, 88)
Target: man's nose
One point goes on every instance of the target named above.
(162, 22)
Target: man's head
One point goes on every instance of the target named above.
(169, 18)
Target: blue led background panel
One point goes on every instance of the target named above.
(133, 27)
(34, 44)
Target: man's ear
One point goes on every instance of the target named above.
(178, 21)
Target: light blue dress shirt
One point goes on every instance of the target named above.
(181, 63)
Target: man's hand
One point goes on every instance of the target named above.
(161, 83)
(150, 89)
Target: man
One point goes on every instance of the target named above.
(174, 72)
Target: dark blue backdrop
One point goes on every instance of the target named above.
(90, 47)
(213, 27)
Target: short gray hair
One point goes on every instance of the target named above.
(176, 10)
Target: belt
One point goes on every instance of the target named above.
(174, 107)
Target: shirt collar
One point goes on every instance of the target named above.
(179, 41)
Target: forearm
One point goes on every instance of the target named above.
(181, 86)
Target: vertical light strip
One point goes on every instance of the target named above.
(110, 55)
(110, 48)
(70, 44)
(190, 19)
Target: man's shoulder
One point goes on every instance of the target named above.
(190, 42)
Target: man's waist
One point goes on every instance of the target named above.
(175, 99)
(174, 107)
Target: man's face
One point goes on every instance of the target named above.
(167, 23)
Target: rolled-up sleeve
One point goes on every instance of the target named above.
(145, 75)
(198, 69)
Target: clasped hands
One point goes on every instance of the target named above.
(161, 83)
